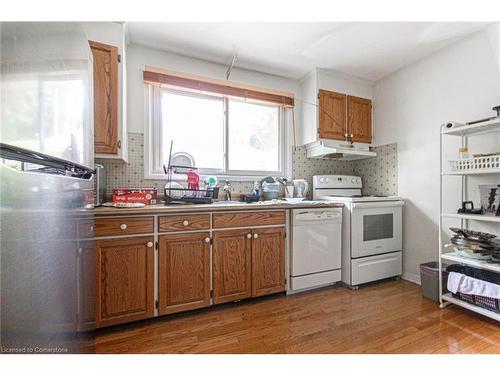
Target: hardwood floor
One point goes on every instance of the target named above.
(390, 317)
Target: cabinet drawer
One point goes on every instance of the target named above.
(123, 226)
(248, 219)
(176, 223)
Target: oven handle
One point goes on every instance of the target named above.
(378, 204)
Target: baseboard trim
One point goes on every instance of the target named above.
(411, 277)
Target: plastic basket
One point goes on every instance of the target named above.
(480, 163)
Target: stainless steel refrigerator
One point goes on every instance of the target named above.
(46, 189)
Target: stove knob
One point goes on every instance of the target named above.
(321, 180)
(353, 180)
(327, 179)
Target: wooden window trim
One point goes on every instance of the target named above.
(206, 85)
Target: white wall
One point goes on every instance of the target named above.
(139, 56)
(461, 83)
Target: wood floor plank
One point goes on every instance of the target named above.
(387, 317)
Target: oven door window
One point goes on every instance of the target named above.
(378, 227)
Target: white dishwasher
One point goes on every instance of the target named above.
(316, 248)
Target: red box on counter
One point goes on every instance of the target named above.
(135, 195)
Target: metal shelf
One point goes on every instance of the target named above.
(464, 132)
(464, 173)
(475, 129)
(494, 219)
(482, 264)
(490, 314)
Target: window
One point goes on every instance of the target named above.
(226, 137)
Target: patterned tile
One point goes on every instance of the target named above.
(379, 174)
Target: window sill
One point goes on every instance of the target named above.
(235, 178)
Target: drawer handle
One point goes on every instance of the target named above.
(255, 235)
(185, 223)
(207, 239)
(123, 226)
(249, 235)
(150, 244)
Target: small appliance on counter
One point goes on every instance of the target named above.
(372, 245)
(300, 188)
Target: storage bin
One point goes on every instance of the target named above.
(429, 278)
(484, 275)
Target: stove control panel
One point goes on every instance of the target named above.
(337, 182)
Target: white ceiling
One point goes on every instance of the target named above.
(370, 50)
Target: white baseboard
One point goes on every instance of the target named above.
(414, 278)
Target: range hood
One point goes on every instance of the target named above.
(325, 149)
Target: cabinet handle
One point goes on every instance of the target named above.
(249, 235)
(150, 244)
(207, 239)
(185, 223)
(119, 144)
(123, 226)
(255, 235)
(91, 228)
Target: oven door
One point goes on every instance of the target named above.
(376, 228)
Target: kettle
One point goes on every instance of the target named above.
(300, 188)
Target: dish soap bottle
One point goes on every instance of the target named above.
(256, 189)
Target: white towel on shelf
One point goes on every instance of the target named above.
(458, 282)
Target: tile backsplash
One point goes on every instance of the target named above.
(379, 174)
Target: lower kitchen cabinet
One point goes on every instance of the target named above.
(232, 262)
(183, 272)
(268, 261)
(124, 280)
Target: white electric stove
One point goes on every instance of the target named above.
(371, 229)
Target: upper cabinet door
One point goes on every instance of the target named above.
(359, 119)
(332, 115)
(232, 265)
(183, 272)
(105, 98)
(268, 261)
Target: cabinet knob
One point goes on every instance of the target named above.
(91, 228)
(207, 239)
(150, 244)
(255, 235)
(185, 223)
(123, 226)
(249, 235)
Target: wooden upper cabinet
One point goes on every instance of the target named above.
(124, 280)
(105, 98)
(183, 272)
(332, 115)
(232, 262)
(359, 119)
(268, 261)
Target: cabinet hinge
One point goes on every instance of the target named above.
(157, 304)
(211, 294)
(119, 58)
(156, 245)
(284, 235)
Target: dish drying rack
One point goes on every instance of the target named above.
(186, 195)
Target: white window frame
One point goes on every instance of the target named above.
(153, 149)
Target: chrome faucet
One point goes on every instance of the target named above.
(227, 191)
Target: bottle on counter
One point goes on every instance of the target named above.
(463, 153)
(256, 189)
